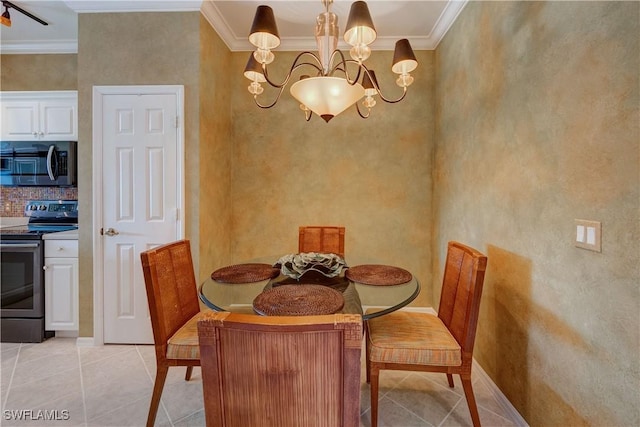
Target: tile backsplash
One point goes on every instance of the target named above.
(13, 199)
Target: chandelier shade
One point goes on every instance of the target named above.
(404, 60)
(334, 83)
(326, 96)
(370, 83)
(253, 70)
(264, 31)
(359, 29)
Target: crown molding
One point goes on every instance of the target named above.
(107, 6)
(39, 47)
(446, 20)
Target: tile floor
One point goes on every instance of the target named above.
(111, 386)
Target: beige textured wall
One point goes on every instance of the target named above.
(537, 125)
(372, 176)
(39, 72)
(135, 49)
(215, 152)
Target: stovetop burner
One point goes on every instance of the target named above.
(45, 216)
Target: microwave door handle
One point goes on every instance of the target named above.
(51, 158)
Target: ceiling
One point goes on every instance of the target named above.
(424, 23)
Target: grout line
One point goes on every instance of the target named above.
(190, 415)
(84, 400)
(510, 413)
(399, 385)
(102, 359)
(153, 381)
(450, 412)
(13, 371)
(406, 409)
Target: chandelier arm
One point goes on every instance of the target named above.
(360, 112)
(342, 66)
(391, 101)
(377, 87)
(294, 67)
(265, 106)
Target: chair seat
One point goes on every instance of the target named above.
(412, 338)
(184, 343)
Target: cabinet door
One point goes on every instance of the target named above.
(58, 120)
(61, 294)
(20, 120)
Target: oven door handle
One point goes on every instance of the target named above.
(18, 245)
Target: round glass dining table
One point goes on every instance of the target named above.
(241, 297)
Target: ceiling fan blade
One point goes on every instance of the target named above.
(8, 4)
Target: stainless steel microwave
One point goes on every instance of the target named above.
(27, 163)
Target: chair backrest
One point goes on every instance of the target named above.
(280, 371)
(321, 239)
(171, 288)
(461, 290)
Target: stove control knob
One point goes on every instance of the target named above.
(43, 207)
(32, 207)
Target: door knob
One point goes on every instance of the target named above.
(110, 232)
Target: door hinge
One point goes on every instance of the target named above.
(177, 122)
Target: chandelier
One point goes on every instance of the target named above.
(333, 83)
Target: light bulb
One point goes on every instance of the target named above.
(404, 80)
(360, 52)
(369, 102)
(255, 88)
(264, 56)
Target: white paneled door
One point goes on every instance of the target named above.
(140, 203)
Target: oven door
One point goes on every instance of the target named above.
(22, 279)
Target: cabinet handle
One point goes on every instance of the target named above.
(41, 133)
(60, 248)
(35, 134)
(44, 267)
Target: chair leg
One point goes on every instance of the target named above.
(450, 379)
(471, 401)
(367, 352)
(374, 377)
(161, 376)
(187, 376)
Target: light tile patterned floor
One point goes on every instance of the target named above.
(111, 386)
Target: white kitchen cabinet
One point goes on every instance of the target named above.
(61, 312)
(39, 116)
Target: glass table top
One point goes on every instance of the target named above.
(358, 296)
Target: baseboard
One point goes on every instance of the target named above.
(67, 334)
(85, 342)
(514, 415)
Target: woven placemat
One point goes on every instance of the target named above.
(377, 274)
(245, 273)
(298, 300)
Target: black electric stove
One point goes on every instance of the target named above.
(22, 274)
(33, 232)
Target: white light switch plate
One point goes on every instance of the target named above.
(588, 235)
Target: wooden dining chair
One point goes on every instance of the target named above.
(174, 311)
(410, 341)
(321, 239)
(280, 371)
